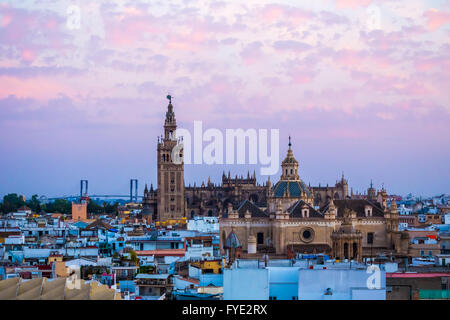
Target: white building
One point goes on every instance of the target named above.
(204, 224)
(402, 210)
(447, 218)
(343, 284)
(303, 280)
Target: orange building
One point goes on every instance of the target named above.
(79, 211)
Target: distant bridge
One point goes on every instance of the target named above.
(93, 196)
(133, 196)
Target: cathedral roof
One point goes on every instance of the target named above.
(295, 211)
(290, 188)
(357, 205)
(254, 210)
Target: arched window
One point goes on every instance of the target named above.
(355, 250)
(192, 214)
(346, 250)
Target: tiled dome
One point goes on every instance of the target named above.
(293, 189)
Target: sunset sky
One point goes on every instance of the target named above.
(362, 86)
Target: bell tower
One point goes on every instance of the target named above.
(170, 194)
(289, 166)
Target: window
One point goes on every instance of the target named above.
(346, 250)
(260, 238)
(306, 234)
(370, 238)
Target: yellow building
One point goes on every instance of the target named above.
(171, 222)
(208, 266)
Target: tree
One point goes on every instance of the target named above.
(12, 202)
(34, 204)
(94, 207)
(133, 257)
(59, 205)
(111, 208)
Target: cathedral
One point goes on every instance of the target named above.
(287, 218)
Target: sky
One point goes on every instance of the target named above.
(362, 86)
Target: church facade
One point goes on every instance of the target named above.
(285, 218)
(172, 199)
(293, 222)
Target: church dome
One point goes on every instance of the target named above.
(291, 188)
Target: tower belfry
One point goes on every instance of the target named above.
(289, 166)
(170, 192)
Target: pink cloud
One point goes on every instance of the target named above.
(288, 15)
(5, 20)
(272, 13)
(252, 53)
(42, 87)
(126, 32)
(436, 19)
(352, 3)
(28, 55)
